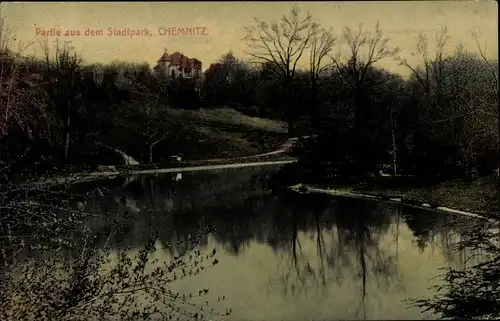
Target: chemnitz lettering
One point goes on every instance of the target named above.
(177, 31)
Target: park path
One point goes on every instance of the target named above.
(285, 147)
(73, 178)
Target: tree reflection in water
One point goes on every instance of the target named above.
(318, 240)
(335, 225)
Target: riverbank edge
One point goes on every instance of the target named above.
(396, 199)
(85, 173)
(178, 167)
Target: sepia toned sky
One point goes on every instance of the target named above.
(225, 22)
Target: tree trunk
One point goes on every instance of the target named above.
(361, 161)
(290, 107)
(150, 153)
(66, 144)
(394, 152)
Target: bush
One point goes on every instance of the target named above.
(87, 285)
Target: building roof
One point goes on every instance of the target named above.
(178, 59)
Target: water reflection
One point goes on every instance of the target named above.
(286, 256)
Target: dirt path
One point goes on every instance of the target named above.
(285, 147)
(129, 160)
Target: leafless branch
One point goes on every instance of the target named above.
(282, 44)
(492, 70)
(365, 49)
(431, 69)
(321, 46)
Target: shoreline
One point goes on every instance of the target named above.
(276, 157)
(100, 175)
(395, 199)
(471, 199)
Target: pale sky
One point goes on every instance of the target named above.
(225, 22)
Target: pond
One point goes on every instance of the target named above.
(286, 256)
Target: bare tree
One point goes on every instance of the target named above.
(472, 109)
(22, 98)
(322, 44)
(460, 96)
(14, 94)
(150, 124)
(490, 107)
(429, 77)
(395, 108)
(281, 46)
(493, 78)
(63, 71)
(432, 70)
(365, 49)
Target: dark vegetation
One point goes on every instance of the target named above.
(441, 122)
(82, 115)
(436, 132)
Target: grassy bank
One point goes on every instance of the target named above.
(227, 116)
(195, 135)
(212, 133)
(479, 196)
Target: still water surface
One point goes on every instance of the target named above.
(287, 256)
